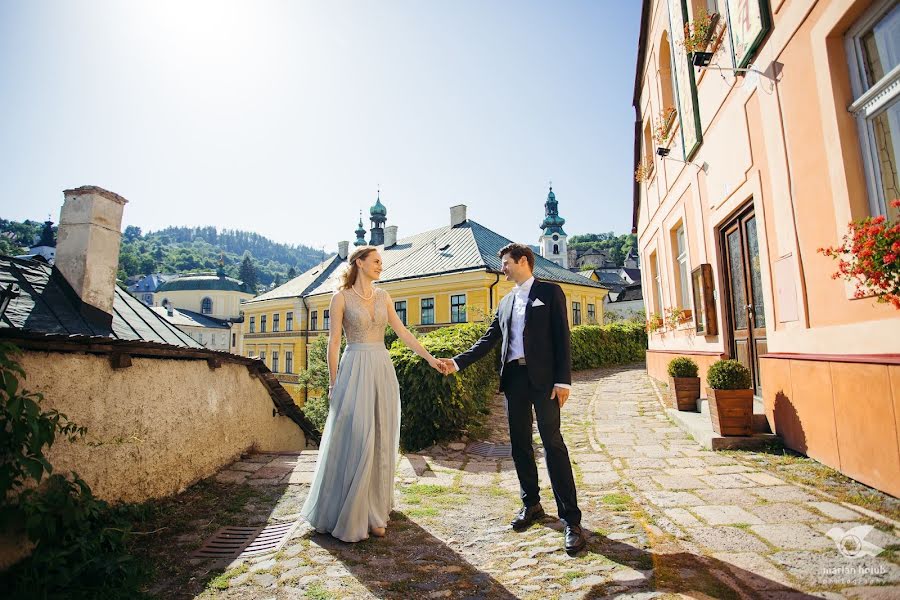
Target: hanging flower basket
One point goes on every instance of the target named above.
(663, 131)
(699, 33)
(869, 256)
(644, 171)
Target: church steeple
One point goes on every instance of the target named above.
(46, 244)
(378, 216)
(360, 233)
(553, 239)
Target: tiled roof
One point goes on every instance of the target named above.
(204, 282)
(635, 274)
(610, 279)
(632, 292)
(300, 285)
(48, 305)
(466, 247)
(189, 318)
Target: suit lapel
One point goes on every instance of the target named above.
(532, 294)
(506, 316)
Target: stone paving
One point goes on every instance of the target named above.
(667, 519)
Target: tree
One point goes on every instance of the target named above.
(247, 273)
(292, 272)
(131, 233)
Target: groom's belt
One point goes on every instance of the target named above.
(519, 361)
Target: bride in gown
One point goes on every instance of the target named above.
(352, 491)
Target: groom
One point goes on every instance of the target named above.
(535, 371)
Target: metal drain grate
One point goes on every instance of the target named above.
(490, 450)
(240, 542)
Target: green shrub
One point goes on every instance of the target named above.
(79, 542)
(437, 408)
(619, 343)
(728, 375)
(682, 366)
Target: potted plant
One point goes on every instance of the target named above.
(644, 171)
(663, 131)
(730, 398)
(683, 383)
(654, 322)
(869, 256)
(698, 34)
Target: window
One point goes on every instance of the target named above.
(592, 315)
(252, 324)
(289, 321)
(576, 313)
(288, 362)
(681, 265)
(708, 6)
(233, 340)
(427, 311)
(314, 320)
(666, 82)
(262, 355)
(657, 286)
(648, 150)
(274, 361)
(206, 306)
(148, 299)
(555, 248)
(458, 308)
(400, 308)
(325, 319)
(262, 324)
(873, 47)
(276, 321)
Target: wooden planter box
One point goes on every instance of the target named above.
(731, 411)
(684, 392)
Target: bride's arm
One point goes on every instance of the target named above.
(336, 312)
(406, 337)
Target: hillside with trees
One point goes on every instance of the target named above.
(188, 250)
(617, 246)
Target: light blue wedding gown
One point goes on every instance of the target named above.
(353, 485)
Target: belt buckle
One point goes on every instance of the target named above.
(521, 361)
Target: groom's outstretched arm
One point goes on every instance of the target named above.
(481, 347)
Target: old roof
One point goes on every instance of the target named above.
(300, 285)
(631, 292)
(189, 318)
(47, 304)
(635, 274)
(150, 283)
(203, 282)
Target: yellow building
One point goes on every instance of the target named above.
(437, 278)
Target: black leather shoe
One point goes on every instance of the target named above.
(575, 540)
(527, 516)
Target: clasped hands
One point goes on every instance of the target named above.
(445, 366)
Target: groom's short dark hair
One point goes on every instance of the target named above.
(517, 251)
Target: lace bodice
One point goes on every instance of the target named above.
(359, 326)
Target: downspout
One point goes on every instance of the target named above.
(491, 292)
(306, 348)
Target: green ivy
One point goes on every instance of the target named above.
(599, 346)
(79, 542)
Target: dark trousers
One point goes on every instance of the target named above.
(521, 395)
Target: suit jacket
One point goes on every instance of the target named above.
(546, 337)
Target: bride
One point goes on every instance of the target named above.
(353, 486)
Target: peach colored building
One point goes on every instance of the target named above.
(764, 167)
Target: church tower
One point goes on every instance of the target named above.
(360, 233)
(553, 240)
(378, 216)
(45, 245)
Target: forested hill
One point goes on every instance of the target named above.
(187, 250)
(617, 246)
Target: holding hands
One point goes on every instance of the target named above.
(445, 366)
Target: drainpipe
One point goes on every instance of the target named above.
(306, 343)
(491, 291)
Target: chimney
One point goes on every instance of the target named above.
(457, 215)
(87, 249)
(390, 236)
(343, 248)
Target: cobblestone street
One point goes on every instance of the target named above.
(667, 519)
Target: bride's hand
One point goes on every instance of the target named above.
(436, 365)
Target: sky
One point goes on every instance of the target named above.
(284, 117)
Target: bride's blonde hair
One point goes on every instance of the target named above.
(352, 272)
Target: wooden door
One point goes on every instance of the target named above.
(743, 284)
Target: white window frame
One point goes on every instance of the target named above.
(684, 269)
(870, 100)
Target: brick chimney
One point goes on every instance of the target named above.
(390, 236)
(87, 249)
(457, 215)
(343, 249)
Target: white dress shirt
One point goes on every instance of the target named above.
(517, 327)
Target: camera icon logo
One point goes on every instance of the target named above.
(852, 543)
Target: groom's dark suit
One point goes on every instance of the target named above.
(547, 348)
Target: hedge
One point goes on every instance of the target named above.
(436, 408)
(599, 346)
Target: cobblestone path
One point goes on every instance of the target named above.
(667, 519)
